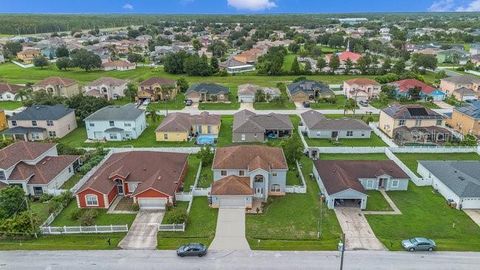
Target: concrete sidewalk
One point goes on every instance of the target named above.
(230, 233)
(143, 233)
(474, 215)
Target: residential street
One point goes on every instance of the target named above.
(147, 259)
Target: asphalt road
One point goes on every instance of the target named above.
(130, 259)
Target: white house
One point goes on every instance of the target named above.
(116, 123)
(8, 91)
(107, 87)
(457, 180)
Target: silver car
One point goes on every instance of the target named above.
(419, 243)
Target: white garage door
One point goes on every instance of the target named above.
(471, 204)
(247, 99)
(232, 202)
(152, 203)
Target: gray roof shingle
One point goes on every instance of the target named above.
(471, 109)
(247, 121)
(316, 121)
(128, 112)
(210, 88)
(43, 112)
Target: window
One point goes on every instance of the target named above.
(418, 122)
(37, 191)
(34, 123)
(113, 136)
(274, 174)
(243, 137)
(439, 122)
(112, 123)
(52, 134)
(50, 123)
(349, 133)
(223, 173)
(91, 124)
(92, 200)
(2, 175)
(401, 122)
(165, 136)
(241, 173)
(275, 188)
(127, 124)
(395, 183)
(369, 184)
(69, 169)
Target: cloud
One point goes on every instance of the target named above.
(473, 6)
(442, 6)
(128, 6)
(253, 5)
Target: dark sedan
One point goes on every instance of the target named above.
(192, 249)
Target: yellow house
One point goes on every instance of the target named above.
(28, 55)
(466, 119)
(3, 120)
(178, 127)
(155, 89)
(413, 124)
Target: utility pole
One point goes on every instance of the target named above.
(342, 251)
(31, 218)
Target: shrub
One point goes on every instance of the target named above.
(176, 216)
(76, 214)
(88, 216)
(135, 207)
(45, 197)
(53, 206)
(64, 199)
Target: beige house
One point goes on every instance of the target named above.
(179, 127)
(155, 88)
(361, 89)
(58, 86)
(41, 122)
(466, 119)
(450, 84)
(27, 55)
(413, 124)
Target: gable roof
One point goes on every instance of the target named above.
(460, 176)
(127, 112)
(107, 81)
(339, 175)
(411, 111)
(44, 171)
(43, 112)
(157, 80)
(183, 122)
(55, 81)
(210, 88)
(407, 84)
(244, 157)
(247, 121)
(317, 121)
(162, 171)
(232, 185)
(344, 56)
(362, 81)
(462, 79)
(22, 150)
(12, 88)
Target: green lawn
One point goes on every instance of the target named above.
(201, 225)
(321, 104)
(78, 137)
(64, 242)
(206, 177)
(10, 105)
(374, 140)
(376, 201)
(193, 163)
(72, 181)
(64, 219)
(40, 209)
(288, 105)
(353, 157)
(425, 214)
(275, 229)
(225, 134)
(176, 104)
(411, 159)
(363, 117)
(380, 105)
(232, 105)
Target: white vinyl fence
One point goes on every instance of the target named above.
(87, 176)
(349, 150)
(84, 229)
(435, 149)
(415, 179)
(383, 136)
(171, 227)
(298, 188)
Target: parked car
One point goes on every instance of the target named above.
(192, 249)
(188, 102)
(419, 243)
(363, 103)
(306, 104)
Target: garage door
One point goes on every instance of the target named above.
(471, 204)
(152, 203)
(246, 99)
(232, 203)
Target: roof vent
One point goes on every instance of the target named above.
(144, 169)
(461, 178)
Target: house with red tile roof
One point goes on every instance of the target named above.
(36, 167)
(403, 88)
(242, 174)
(150, 178)
(344, 56)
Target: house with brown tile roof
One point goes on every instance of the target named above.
(150, 178)
(156, 88)
(36, 167)
(8, 91)
(179, 127)
(245, 173)
(119, 65)
(58, 86)
(345, 182)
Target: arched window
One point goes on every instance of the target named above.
(258, 179)
(91, 200)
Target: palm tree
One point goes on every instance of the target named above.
(350, 105)
(153, 114)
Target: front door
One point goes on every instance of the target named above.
(381, 183)
(334, 134)
(259, 192)
(120, 190)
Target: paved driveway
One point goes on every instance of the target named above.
(143, 232)
(230, 233)
(474, 215)
(358, 233)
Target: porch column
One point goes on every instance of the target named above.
(266, 187)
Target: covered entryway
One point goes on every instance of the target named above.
(230, 233)
(152, 203)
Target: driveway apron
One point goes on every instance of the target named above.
(230, 233)
(358, 233)
(143, 232)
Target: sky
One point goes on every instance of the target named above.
(234, 6)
